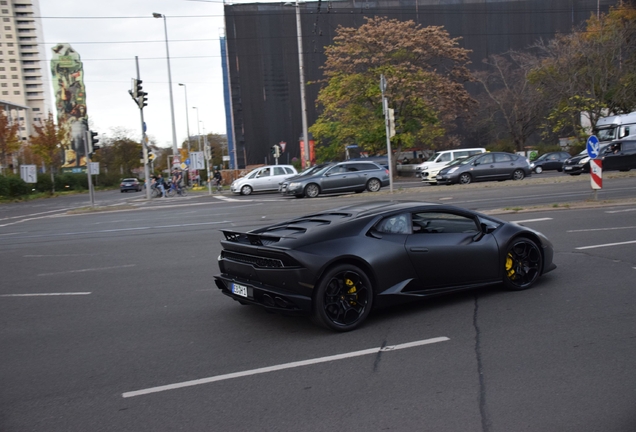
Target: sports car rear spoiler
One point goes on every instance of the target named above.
(250, 238)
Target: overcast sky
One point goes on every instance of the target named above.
(109, 34)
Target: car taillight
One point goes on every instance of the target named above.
(386, 171)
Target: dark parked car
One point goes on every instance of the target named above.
(484, 167)
(128, 184)
(338, 177)
(620, 155)
(581, 162)
(339, 264)
(550, 161)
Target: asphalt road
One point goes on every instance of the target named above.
(110, 321)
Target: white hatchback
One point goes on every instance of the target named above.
(265, 178)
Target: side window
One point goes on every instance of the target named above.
(263, 173)
(446, 157)
(629, 146)
(486, 159)
(351, 168)
(364, 166)
(338, 169)
(499, 157)
(474, 152)
(396, 224)
(443, 222)
(288, 170)
(279, 171)
(459, 154)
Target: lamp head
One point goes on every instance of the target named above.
(157, 15)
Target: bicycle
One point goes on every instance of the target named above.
(174, 191)
(219, 185)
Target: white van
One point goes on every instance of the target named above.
(441, 158)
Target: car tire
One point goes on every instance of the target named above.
(523, 264)
(374, 185)
(343, 298)
(246, 190)
(538, 170)
(312, 190)
(518, 175)
(465, 178)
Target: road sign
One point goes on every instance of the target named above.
(282, 145)
(197, 160)
(28, 173)
(596, 173)
(93, 168)
(183, 166)
(592, 147)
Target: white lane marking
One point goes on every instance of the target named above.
(445, 199)
(601, 229)
(87, 270)
(531, 220)
(127, 229)
(606, 245)
(55, 255)
(45, 294)
(35, 214)
(620, 211)
(281, 367)
(227, 199)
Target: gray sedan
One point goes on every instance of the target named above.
(338, 177)
(487, 166)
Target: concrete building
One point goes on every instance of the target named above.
(23, 73)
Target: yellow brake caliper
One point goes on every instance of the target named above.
(509, 264)
(352, 290)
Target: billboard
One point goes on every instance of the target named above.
(67, 76)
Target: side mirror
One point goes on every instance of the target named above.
(375, 233)
(483, 230)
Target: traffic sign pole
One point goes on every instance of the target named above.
(596, 175)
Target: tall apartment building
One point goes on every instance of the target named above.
(24, 82)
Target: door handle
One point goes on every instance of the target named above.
(419, 249)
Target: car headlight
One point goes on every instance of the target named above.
(452, 170)
(293, 185)
(584, 160)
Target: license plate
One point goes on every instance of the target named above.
(567, 168)
(239, 290)
(440, 177)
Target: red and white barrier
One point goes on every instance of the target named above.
(596, 173)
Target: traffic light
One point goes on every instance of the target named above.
(275, 149)
(138, 94)
(151, 155)
(92, 142)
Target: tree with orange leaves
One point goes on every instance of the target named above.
(47, 144)
(9, 139)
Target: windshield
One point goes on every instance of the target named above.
(469, 159)
(312, 169)
(456, 161)
(606, 134)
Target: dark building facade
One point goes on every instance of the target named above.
(262, 56)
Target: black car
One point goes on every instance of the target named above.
(550, 161)
(338, 265)
(337, 178)
(580, 163)
(619, 155)
(485, 167)
(130, 184)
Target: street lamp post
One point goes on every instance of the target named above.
(301, 72)
(175, 149)
(187, 119)
(198, 130)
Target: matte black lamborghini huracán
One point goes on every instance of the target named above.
(339, 264)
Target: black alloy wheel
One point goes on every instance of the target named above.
(374, 185)
(523, 264)
(343, 298)
(312, 190)
(518, 174)
(465, 178)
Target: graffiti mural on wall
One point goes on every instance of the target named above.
(70, 100)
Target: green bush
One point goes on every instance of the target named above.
(12, 186)
(69, 181)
